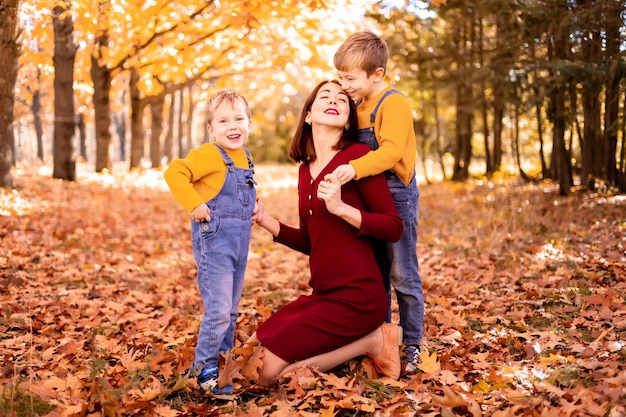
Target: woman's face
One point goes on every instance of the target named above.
(331, 107)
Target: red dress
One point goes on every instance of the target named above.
(348, 299)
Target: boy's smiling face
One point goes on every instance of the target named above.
(358, 84)
(230, 126)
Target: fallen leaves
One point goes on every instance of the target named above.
(99, 308)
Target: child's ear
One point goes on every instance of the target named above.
(379, 73)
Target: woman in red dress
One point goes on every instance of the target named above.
(344, 316)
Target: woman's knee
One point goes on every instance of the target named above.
(271, 369)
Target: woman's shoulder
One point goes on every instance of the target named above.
(356, 150)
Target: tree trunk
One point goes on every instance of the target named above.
(516, 151)
(82, 135)
(156, 109)
(464, 107)
(168, 143)
(119, 122)
(560, 162)
(545, 173)
(462, 154)
(101, 77)
(190, 105)
(35, 108)
(593, 146)
(9, 53)
(64, 54)
(498, 115)
(611, 101)
(440, 151)
(179, 123)
(484, 107)
(136, 119)
(622, 157)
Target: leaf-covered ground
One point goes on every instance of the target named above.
(525, 304)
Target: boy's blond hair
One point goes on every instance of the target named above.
(230, 96)
(363, 50)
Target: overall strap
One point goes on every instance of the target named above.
(250, 163)
(387, 93)
(230, 165)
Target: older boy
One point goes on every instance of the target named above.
(386, 125)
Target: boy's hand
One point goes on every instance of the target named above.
(329, 190)
(201, 213)
(344, 173)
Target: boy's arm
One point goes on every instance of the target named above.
(392, 135)
(182, 173)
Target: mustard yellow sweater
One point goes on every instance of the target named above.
(199, 176)
(395, 136)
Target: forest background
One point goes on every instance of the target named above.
(521, 103)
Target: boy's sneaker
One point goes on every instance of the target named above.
(411, 355)
(207, 380)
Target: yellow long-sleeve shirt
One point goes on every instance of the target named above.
(199, 176)
(395, 136)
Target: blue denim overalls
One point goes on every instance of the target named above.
(403, 271)
(220, 248)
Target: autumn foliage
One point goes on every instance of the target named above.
(525, 304)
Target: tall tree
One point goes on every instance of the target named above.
(9, 53)
(156, 110)
(465, 48)
(101, 77)
(591, 78)
(64, 124)
(614, 74)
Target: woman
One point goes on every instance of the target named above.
(344, 315)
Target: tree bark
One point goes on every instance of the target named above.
(593, 146)
(464, 106)
(136, 118)
(561, 159)
(190, 105)
(36, 110)
(611, 100)
(101, 77)
(179, 123)
(64, 125)
(156, 110)
(168, 143)
(82, 136)
(9, 53)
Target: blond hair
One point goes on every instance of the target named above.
(362, 50)
(230, 96)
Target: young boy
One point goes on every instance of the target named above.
(215, 184)
(386, 125)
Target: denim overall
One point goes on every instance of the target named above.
(220, 248)
(402, 272)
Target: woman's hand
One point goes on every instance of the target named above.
(264, 220)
